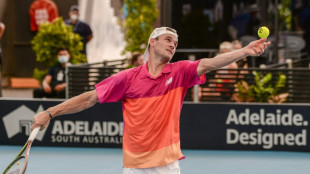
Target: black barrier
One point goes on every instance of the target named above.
(221, 126)
(220, 88)
(82, 78)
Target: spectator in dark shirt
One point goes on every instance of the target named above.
(79, 27)
(54, 83)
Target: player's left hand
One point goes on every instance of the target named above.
(257, 47)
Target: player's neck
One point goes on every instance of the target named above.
(155, 67)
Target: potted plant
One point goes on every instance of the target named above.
(262, 90)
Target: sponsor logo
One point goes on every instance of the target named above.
(97, 132)
(20, 121)
(264, 120)
(169, 81)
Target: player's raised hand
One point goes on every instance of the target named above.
(257, 47)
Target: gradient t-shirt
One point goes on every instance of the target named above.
(151, 110)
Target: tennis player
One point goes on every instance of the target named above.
(152, 96)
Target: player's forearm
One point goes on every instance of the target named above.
(75, 104)
(220, 61)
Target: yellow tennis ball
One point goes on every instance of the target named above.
(18, 162)
(263, 32)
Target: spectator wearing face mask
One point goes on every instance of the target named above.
(54, 83)
(79, 27)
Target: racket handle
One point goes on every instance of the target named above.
(34, 133)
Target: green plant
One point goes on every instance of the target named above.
(285, 13)
(49, 38)
(262, 90)
(244, 93)
(139, 23)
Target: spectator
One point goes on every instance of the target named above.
(2, 28)
(79, 27)
(243, 63)
(225, 76)
(236, 44)
(304, 25)
(136, 60)
(245, 23)
(42, 11)
(54, 83)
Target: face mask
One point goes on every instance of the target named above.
(74, 17)
(63, 59)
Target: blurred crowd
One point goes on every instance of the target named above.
(244, 23)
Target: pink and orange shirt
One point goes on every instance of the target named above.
(151, 110)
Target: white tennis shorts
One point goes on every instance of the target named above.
(171, 168)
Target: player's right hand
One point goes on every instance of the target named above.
(41, 120)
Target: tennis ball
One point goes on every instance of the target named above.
(263, 32)
(18, 162)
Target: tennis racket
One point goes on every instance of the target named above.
(19, 164)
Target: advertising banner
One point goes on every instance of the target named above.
(99, 126)
(221, 126)
(246, 127)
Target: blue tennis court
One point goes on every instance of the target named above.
(51, 160)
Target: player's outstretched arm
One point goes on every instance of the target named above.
(254, 48)
(73, 105)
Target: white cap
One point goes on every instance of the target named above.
(156, 33)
